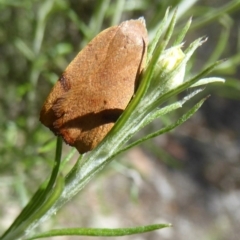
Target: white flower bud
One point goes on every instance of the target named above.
(170, 60)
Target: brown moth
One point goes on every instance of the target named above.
(97, 86)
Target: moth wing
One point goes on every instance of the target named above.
(80, 72)
(83, 118)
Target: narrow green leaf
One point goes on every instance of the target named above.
(48, 146)
(41, 194)
(186, 84)
(42, 15)
(24, 49)
(203, 73)
(100, 232)
(170, 28)
(52, 198)
(97, 18)
(231, 6)
(118, 10)
(205, 81)
(221, 45)
(44, 194)
(22, 226)
(67, 158)
(160, 112)
(182, 34)
(181, 120)
(85, 30)
(159, 32)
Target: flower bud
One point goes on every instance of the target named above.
(167, 62)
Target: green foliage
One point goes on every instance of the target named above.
(37, 41)
(100, 232)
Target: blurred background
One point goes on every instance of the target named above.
(189, 177)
